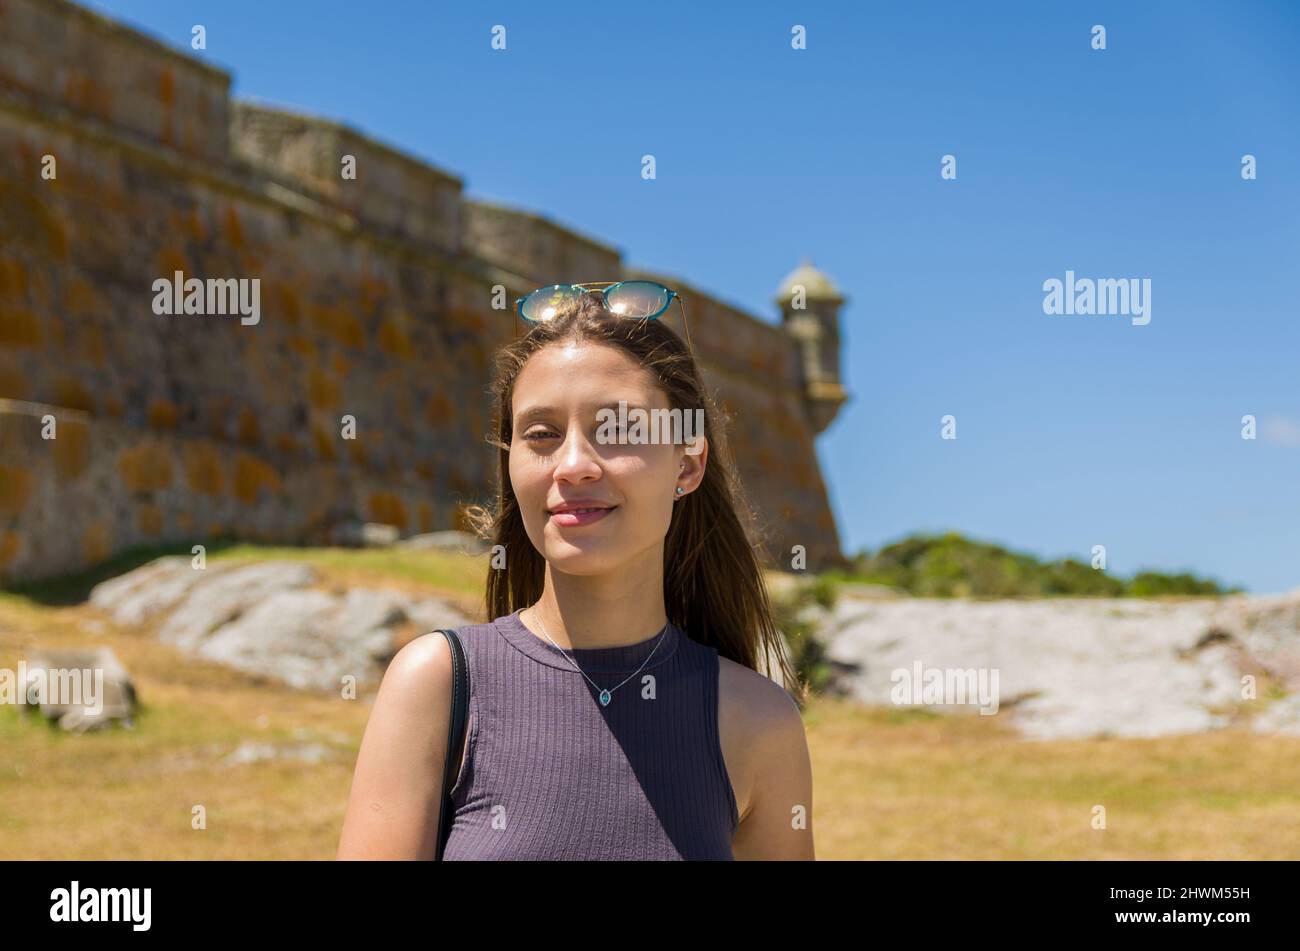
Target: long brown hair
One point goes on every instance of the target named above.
(714, 589)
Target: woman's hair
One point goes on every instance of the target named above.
(713, 582)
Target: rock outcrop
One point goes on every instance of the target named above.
(274, 619)
(1086, 667)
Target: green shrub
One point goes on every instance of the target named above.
(951, 565)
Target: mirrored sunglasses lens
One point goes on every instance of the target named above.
(542, 304)
(637, 299)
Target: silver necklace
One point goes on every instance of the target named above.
(605, 695)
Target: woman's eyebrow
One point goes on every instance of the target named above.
(613, 405)
(533, 412)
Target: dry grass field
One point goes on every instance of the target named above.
(271, 766)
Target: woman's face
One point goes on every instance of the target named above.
(560, 455)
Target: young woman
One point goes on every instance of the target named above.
(616, 709)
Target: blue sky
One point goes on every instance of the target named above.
(1071, 431)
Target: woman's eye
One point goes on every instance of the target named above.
(538, 434)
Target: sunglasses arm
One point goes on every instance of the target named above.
(678, 298)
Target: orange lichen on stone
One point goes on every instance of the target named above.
(303, 346)
(166, 87)
(163, 414)
(388, 508)
(324, 441)
(439, 409)
(96, 542)
(11, 543)
(92, 343)
(40, 290)
(114, 405)
(805, 476)
(172, 259)
(219, 409)
(426, 470)
(13, 384)
(251, 476)
(86, 93)
(234, 228)
(250, 429)
(288, 444)
(370, 291)
(322, 390)
(15, 489)
(149, 519)
(19, 328)
(145, 467)
(192, 225)
(30, 222)
(394, 338)
(13, 280)
(185, 521)
(357, 451)
(338, 324)
(55, 232)
(71, 448)
(340, 364)
(72, 393)
(468, 318)
(290, 303)
(426, 517)
(203, 470)
(57, 333)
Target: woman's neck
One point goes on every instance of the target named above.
(584, 612)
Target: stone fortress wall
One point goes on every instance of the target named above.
(375, 302)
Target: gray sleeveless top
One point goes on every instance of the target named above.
(551, 774)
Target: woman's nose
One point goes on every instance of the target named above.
(577, 454)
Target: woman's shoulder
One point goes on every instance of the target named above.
(415, 693)
(757, 703)
(758, 723)
(421, 668)
(469, 635)
(423, 664)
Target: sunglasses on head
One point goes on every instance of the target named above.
(634, 300)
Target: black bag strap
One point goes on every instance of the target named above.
(455, 734)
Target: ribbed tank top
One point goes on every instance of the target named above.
(550, 774)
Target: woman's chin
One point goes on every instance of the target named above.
(587, 555)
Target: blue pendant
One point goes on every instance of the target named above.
(604, 698)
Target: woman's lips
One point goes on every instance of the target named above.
(580, 516)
